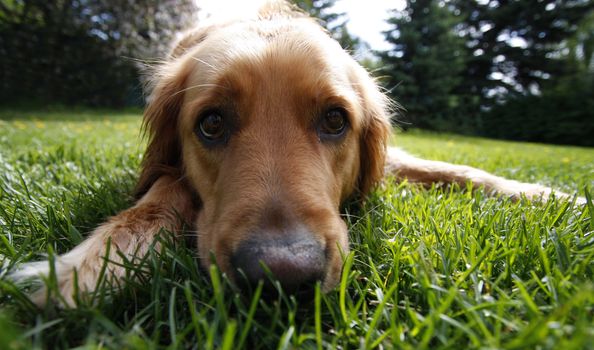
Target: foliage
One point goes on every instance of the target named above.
(83, 51)
(564, 110)
(431, 269)
(563, 114)
(516, 65)
(516, 46)
(423, 69)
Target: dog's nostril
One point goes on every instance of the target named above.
(296, 264)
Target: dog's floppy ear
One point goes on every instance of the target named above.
(374, 137)
(190, 39)
(163, 153)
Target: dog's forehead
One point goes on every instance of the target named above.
(297, 50)
(255, 37)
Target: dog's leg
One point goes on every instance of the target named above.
(415, 170)
(167, 205)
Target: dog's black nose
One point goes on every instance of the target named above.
(297, 263)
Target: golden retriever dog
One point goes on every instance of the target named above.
(259, 130)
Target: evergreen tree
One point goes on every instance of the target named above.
(515, 46)
(563, 110)
(83, 51)
(424, 67)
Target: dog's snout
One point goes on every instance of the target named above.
(297, 263)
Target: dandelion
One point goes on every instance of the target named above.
(20, 125)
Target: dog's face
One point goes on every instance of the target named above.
(273, 126)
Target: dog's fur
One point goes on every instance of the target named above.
(275, 178)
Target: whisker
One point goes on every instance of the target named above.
(205, 63)
(199, 86)
(192, 234)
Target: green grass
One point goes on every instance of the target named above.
(430, 269)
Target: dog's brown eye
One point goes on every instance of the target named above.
(333, 123)
(212, 126)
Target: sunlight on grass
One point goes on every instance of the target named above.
(430, 269)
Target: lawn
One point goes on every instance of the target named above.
(430, 269)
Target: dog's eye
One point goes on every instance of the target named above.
(211, 126)
(333, 123)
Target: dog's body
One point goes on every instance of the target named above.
(259, 130)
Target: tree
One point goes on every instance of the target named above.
(424, 67)
(140, 28)
(480, 66)
(82, 51)
(514, 45)
(563, 110)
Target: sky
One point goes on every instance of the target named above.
(366, 17)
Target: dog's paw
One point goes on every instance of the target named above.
(99, 259)
(68, 276)
(537, 192)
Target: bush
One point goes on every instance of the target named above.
(69, 67)
(563, 114)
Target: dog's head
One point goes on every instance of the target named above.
(273, 125)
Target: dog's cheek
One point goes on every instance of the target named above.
(346, 167)
(205, 240)
(200, 169)
(337, 248)
(214, 240)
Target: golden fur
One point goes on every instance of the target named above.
(274, 75)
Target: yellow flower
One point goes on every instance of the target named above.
(20, 125)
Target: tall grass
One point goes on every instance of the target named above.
(439, 268)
